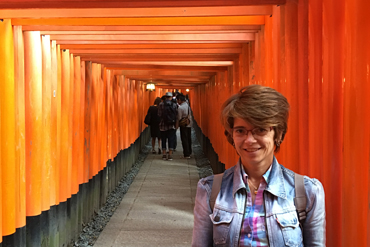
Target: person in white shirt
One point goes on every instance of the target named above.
(184, 122)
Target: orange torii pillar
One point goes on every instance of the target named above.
(20, 133)
(34, 132)
(7, 133)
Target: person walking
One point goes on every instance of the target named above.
(185, 121)
(167, 111)
(256, 204)
(155, 133)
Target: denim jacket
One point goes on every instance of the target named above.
(222, 226)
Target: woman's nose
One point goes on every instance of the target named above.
(249, 137)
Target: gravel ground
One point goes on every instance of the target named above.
(91, 231)
(203, 164)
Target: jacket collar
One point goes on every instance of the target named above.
(238, 180)
(275, 182)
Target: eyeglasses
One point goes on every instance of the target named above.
(241, 132)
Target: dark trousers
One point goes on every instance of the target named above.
(169, 135)
(185, 133)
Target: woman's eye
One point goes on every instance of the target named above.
(260, 131)
(239, 131)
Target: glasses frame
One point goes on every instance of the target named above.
(254, 134)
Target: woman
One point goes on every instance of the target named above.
(255, 205)
(154, 125)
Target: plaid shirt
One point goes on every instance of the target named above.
(253, 232)
(162, 125)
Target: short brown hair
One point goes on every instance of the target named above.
(260, 106)
(157, 101)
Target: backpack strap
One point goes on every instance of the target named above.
(216, 186)
(300, 199)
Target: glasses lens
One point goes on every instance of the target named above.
(242, 132)
(259, 131)
(239, 132)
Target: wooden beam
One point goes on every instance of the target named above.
(31, 4)
(148, 32)
(136, 12)
(84, 52)
(153, 46)
(112, 42)
(169, 73)
(175, 63)
(159, 57)
(163, 67)
(155, 21)
(241, 37)
(141, 28)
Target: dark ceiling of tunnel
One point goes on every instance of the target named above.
(171, 43)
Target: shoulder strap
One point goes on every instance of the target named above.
(216, 186)
(300, 199)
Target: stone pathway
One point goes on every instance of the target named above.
(157, 209)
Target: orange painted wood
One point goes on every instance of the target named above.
(268, 51)
(72, 167)
(8, 128)
(1, 186)
(87, 125)
(104, 156)
(155, 21)
(355, 127)
(166, 68)
(155, 51)
(136, 123)
(303, 90)
(34, 126)
(54, 171)
(102, 120)
(83, 171)
(137, 12)
(46, 123)
(59, 123)
(135, 28)
(291, 88)
(76, 134)
(94, 121)
(126, 115)
(121, 105)
(222, 40)
(315, 111)
(20, 132)
(115, 132)
(109, 113)
(153, 46)
(132, 4)
(215, 37)
(65, 139)
(332, 81)
(154, 30)
(97, 91)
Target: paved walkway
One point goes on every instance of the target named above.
(157, 210)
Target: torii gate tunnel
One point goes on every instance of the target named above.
(73, 96)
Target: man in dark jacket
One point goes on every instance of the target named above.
(167, 110)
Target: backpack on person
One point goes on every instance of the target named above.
(169, 113)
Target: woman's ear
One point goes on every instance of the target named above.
(279, 139)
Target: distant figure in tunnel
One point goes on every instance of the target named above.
(254, 204)
(167, 111)
(155, 133)
(185, 120)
